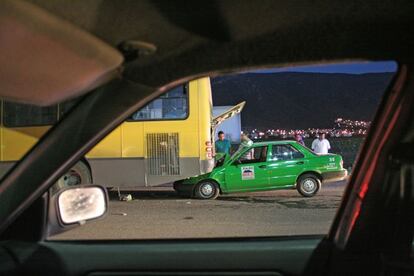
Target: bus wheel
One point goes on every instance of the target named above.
(78, 174)
(308, 185)
(207, 190)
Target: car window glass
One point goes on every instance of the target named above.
(170, 142)
(254, 155)
(285, 152)
(164, 161)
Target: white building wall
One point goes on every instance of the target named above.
(231, 127)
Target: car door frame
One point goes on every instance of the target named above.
(374, 227)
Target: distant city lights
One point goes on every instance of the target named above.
(342, 128)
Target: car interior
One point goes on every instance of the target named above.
(122, 54)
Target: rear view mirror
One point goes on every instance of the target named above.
(74, 206)
(81, 204)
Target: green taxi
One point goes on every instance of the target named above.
(262, 166)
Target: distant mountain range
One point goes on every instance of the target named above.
(301, 100)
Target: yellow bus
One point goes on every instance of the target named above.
(168, 139)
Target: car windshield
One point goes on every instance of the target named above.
(164, 166)
(242, 147)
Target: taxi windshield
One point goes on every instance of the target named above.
(243, 145)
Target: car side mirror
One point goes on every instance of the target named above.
(74, 206)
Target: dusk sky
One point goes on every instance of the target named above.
(346, 68)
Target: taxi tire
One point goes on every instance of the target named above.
(301, 181)
(200, 195)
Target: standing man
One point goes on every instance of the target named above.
(222, 145)
(321, 145)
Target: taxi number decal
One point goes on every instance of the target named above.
(331, 166)
(247, 172)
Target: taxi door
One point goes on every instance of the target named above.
(249, 172)
(285, 164)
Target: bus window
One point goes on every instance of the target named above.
(22, 115)
(171, 105)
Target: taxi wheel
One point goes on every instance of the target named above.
(308, 185)
(78, 174)
(207, 190)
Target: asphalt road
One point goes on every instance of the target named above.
(162, 214)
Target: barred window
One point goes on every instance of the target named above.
(163, 153)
